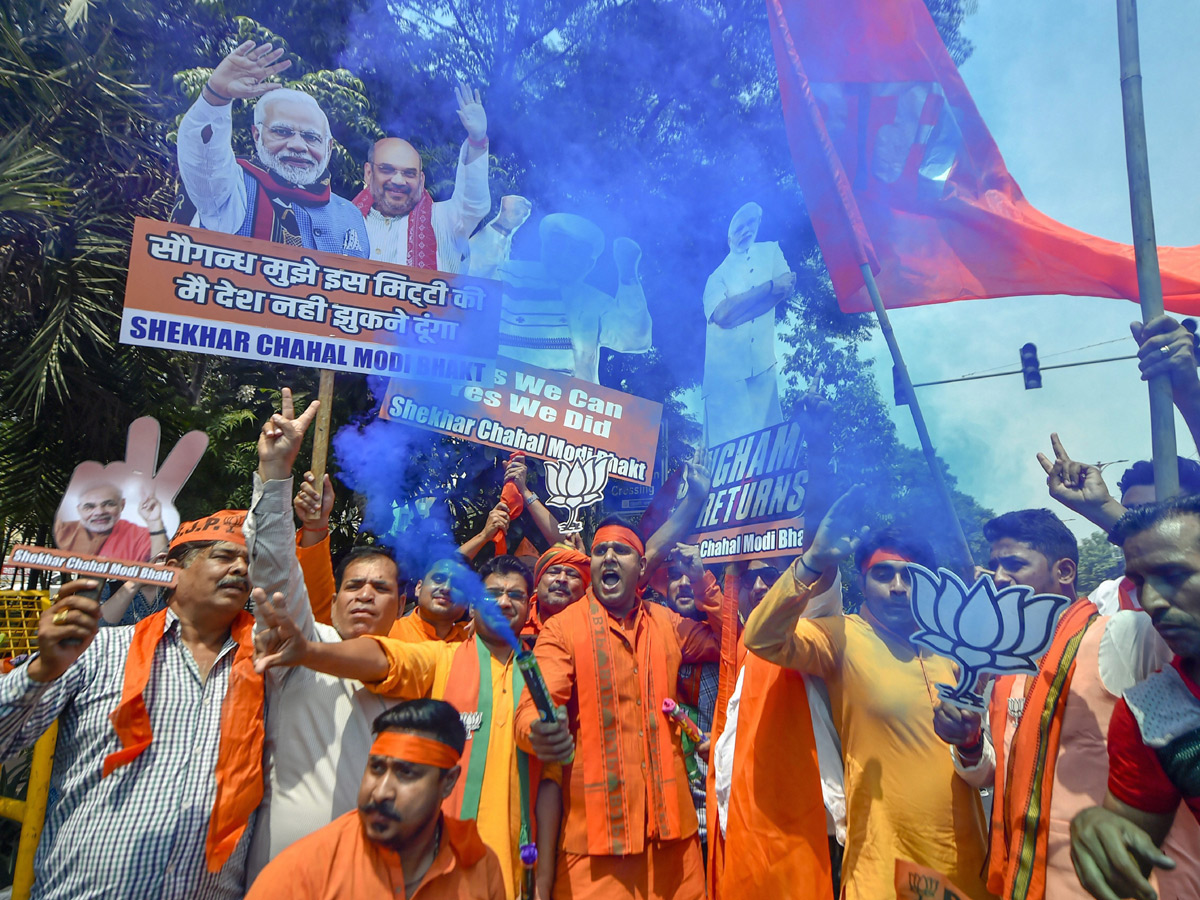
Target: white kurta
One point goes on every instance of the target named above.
(318, 727)
(453, 220)
(739, 389)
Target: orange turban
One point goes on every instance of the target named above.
(563, 555)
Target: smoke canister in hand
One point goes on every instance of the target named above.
(690, 728)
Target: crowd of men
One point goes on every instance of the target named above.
(281, 727)
(281, 724)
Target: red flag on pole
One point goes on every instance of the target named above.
(899, 170)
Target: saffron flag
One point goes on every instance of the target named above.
(899, 171)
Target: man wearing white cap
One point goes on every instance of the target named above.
(739, 389)
(552, 319)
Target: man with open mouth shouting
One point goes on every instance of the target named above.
(609, 661)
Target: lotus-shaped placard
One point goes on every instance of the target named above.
(576, 485)
(982, 628)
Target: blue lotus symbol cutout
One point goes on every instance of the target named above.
(982, 628)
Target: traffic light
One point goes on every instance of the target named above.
(898, 395)
(1030, 370)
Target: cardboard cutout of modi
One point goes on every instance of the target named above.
(740, 392)
(126, 510)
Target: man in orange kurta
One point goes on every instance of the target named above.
(611, 659)
(398, 843)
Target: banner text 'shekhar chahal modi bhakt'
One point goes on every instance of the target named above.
(207, 292)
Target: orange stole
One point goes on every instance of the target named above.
(776, 844)
(462, 692)
(599, 740)
(238, 772)
(1025, 775)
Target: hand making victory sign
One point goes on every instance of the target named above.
(1079, 487)
(279, 441)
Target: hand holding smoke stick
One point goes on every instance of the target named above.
(526, 662)
(675, 712)
(529, 857)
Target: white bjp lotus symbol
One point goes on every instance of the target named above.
(982, 629)
(575, 486)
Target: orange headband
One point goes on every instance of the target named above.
(563, 555)
(883, 555)
(620, 534)
(225, 525)
(414, 749)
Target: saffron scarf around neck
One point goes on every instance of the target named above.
(274, 219)
(238, 773)
(600, 733)
(469, 690)
(1025, 773)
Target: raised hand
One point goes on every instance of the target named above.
(277, 641)
(279, 441)
(1165, 348)
(150, 509)
(244, 72)
(514, 210)
(959, 727)
(839, 532)
(497, 520)
(65, 630)
(312, 508)
(471, 112)
(1075, 485)
(687, 556)
(626, 254)
(697, 477)
(516, 471)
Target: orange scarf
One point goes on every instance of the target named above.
(239, 756)
(776, 844)
(463, 688)
(1021, 808)
(599, 743)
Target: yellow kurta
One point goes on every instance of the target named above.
(422, 670)
(903, 797)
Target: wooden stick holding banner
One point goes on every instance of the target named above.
(320, 452)
(885, 325)
(1145, 249)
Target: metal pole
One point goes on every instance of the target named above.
(914, 407)
(1162, 412)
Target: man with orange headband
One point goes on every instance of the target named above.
(398, 843)
(612, 659)
(479, 677)
(1042, 745)
(905, 802)
(158, 766)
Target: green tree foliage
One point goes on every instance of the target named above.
(1099, 561)
(657, 118)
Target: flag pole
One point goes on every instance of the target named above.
(1162, 412)
(320, 450)
(885, 325)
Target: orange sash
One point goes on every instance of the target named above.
(1021, 808)
(462, 692)
(777, 844)
(239, 756)
(599, 746)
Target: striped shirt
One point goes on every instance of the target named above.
(140, 832)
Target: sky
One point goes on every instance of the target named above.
(1045, 78)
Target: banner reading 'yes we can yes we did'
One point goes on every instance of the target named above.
(538, 412)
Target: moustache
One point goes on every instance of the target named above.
(239, 583)
(384, 808)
